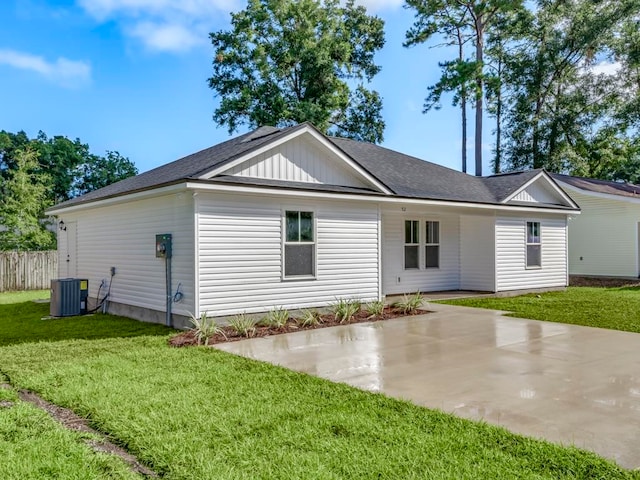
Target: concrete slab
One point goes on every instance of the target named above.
(565, 383)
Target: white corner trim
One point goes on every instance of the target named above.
(550, 182)
(304, 130)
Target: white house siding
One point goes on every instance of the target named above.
(395, 279)
(538, 192)
(603, 239)
(477, 252)
(298, 160)
(240, 253)
(511, 271)
(123, 236)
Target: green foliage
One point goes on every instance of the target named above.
(344, 309)
(243, 325)
(204, 328)
(277, 318)
(22, 205)
(285, 62)
(375, 308)
(409, 303)
(99, 172)
(310, 318)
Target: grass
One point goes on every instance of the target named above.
(21, 321)
(201, 413)
(614, 308)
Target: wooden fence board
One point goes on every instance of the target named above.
(27, 270)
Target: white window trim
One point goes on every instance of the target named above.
(283, 237)
(405, 244)
(431, 244)
(527, 244)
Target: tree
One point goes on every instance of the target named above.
(22, 205)
(290, 61)
(97, 172)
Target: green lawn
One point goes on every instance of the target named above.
(200, 413)
(616, 308)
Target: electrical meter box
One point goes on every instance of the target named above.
(163, 245)
(69, 297)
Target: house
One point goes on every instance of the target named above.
(290, 217)
(605, 239)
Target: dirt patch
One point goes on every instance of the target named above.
(228, 334)
(575, 281)
(76, 423)
(6, 404)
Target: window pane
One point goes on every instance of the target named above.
(533, 232)
(298, 260)
(433, 232)
(411, 257)
(534, 256)
(293, 226)
(407, 231)
(306, 226)
(432, 256)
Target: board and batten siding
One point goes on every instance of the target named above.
(240, 253)
(123, 236)
(603, 239)
(477, 253)
(395, 279)
(511, 270)
(298, 160)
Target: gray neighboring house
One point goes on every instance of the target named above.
(290, 217)
(605, 239)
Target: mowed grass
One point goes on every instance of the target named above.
(615, 308)
(22, 320)
(196, 413)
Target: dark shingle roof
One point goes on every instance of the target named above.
(600, 186)
(404, 175)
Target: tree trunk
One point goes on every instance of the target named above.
(463, 105)
(479, 93)
(498, 160)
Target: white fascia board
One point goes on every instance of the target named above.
(370, 198)
(156, 192)
(550, 182)
(608, 196)
(320, 138)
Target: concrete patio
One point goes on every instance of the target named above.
(565, 383)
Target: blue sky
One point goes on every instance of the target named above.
(130, 75)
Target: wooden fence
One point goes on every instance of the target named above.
(27, 270)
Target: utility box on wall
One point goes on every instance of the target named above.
(69, 297)
(163, 245)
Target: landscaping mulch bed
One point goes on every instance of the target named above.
(576, 281)
(188, 337)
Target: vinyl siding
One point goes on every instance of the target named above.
(240, 254)
(298, 160)
(603, 239)
(539, 192)
(477, 253)
(395, 279)
(511, 271)
(123, 236)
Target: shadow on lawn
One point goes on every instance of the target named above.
(22, 322)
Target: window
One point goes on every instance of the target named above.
(432, 247)
(411, 244)
(534, 246)
(299, 245)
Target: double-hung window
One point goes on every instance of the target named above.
(411, 244)
(432, 245)
(299, 244)
(534, 245)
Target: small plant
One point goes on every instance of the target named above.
(277, 318)
(409, 304)
(375, 308)
(310, 318)
(344, 309)
(204, 328)
(243, 325)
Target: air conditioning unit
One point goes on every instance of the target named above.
(69, 297)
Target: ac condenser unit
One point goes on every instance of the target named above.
(69, 297)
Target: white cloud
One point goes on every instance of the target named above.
(65, 72)
(606, 68)
(162, 25)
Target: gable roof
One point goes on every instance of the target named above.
(402, 175)
(600, 186)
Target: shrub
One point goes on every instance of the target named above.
(310, 318)
(375, 308)
(204, 328)
(409, 304)
(243, 325)
(344, 309)
(278, 318)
